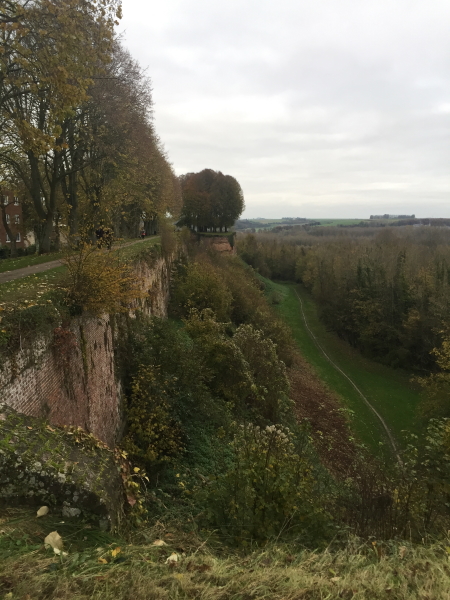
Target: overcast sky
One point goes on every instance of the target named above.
(319, 108)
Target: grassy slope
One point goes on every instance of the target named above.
(30, 287)
(389, 390)
(95, 569)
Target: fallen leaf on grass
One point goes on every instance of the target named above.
(103, 561)
(115, 552)
(159, 543)
(401, 551)
(335, 579)
(55, 541)
(44, 510)
(172, 559)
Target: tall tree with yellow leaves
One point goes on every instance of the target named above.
(51, 50)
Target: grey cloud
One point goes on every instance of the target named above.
(334, 107)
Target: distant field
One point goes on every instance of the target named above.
(261, 224)
(388, 390)
(335, 222)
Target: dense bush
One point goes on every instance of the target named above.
(202, 287)
(231, 290)
(98, 282)
(269, 490)
(153, 435)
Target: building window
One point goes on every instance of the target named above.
(7, 238)
(16, 219)
(5, 200)
(8, 218)
(16, 201)
(18, 237)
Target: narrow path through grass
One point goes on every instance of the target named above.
(389, 391)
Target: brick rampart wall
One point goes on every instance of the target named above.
(70, 379)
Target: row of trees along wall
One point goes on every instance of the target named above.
(65, 368)
(78, 141)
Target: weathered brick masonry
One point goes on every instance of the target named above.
(70, 379)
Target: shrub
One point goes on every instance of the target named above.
(225, 369)
(268, 373)
(200, 287)
(437, 385)
(269, 490)
(97, 282)
(153, 436)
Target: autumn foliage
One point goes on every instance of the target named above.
(97, 282)
(212, 201)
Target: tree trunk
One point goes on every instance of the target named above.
(69, 179)
(44, 229)
(9, 233)
(46, 236)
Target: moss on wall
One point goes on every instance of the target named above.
(62, 467)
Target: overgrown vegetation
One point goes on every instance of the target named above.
(233, 467)
(212, 422)
(98, 282)
(92, 281)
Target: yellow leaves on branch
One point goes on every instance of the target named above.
(98, 283)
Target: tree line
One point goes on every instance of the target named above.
(386, 292)
(77, 134)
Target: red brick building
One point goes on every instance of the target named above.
(12, 207)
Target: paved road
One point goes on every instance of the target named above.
(53, 264)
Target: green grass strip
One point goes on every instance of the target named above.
(12, 264)
(389, 391)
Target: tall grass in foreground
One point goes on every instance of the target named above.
(99, 566)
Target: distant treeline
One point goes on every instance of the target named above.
(387, 292)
